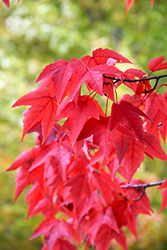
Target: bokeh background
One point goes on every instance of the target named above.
(36, 33)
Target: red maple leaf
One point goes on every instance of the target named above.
(103, 237)
(133, 157)
(59, 152)
(54, 230)
(78, 114)
(79, 185)
(156, 64)
(6, 2)
(164, 195)
(103, 183)
(153, 146)
(120, 142)
(129, 4)
(100, 56)
(43, 109)
(64, 244)
(100, 131)
(60, 73)
(152, 3)
(126, 113)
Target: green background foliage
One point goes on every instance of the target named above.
(36, 33)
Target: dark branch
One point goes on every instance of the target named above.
(151, 184)
(138, 80)
(135, 199)
(143, 186)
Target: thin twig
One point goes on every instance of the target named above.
(143, 186)
(135, 199)
(151, 184)
(138, 80)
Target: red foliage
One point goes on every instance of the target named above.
(128, 6)
(130, 2)
(73, 168)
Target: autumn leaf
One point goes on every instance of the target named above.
(133, 157)
(54, 230)
(126, 113)
(103, 237)
(60, 73)
(25, 178)
(79, 114)
(43, 109)
(79, 185)
(129, 4)
(153, 104)
(103, 183)
(60, 153)
(164, 195)
(64, 244)
(98, 218)
(156, 64)
(121, 143)
(6, 2)
(153, 146)
(120, 238)
(25, 160)
(100, 131)
(152, 3)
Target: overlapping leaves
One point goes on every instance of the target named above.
(73, 168)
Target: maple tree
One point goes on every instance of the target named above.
(82, 167)
(129, 3)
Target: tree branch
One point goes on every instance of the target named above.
(143, 186)
(139, 80)
(151, 184)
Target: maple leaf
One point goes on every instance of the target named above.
(61, 153)
(93, 80)
(156, 64)
(78, 115)
(79, 185)
(164, 195)
(129, 4)
(126, 113)
(103, 237)
(100, 56)
(100, 217)
(43, 109)
(133, 157)
(103, 183)
(25, 178)
(25, 159)
(7, 3)
(120, 238)
(154, 104)
(142, 87)
(121, 143)
(64, 244)
(34, 195)
(119, 207)
(53, 229)
(113, 166)
(60, 73)
(153, 146)
(100, 131)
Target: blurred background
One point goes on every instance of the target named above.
(36, 33)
